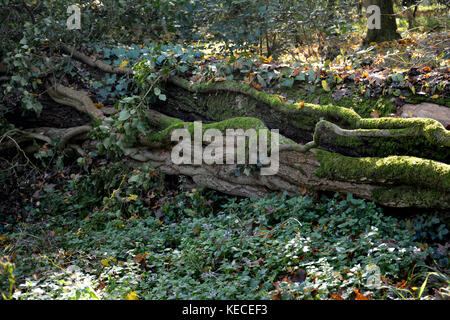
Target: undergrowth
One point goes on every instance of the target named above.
(118, 233)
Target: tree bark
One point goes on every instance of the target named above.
(388, 30)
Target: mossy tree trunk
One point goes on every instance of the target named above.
(388, 30)
(391, 180)
(394, 162)
(333, 128)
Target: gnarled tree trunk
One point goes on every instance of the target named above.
(394, 162)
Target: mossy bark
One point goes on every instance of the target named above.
(397, 181)
(338, 129)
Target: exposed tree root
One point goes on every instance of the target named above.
(77, 99)
(44, 134)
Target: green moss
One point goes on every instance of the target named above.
(431, 129)
(343, 117)
(168, 121)
(394, 123)
(398, 170)
(361, 105)
(222, 100)
(243, 123)
(412, 140)
(412, 197)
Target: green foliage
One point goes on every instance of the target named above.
(121, 130)
(427, 227)
(7, 279)
(277, 25)
(113, 232)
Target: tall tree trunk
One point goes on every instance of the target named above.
(388, 30)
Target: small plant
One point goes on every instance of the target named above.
(427, 227)
(7, 279)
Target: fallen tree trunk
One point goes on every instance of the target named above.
(394, 162)
(396, 181)
(338, 129)
(299, 171)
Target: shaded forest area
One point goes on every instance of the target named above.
(93, 205)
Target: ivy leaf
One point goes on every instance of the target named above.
(123, 64)
(311, 75)
(133, 178)
(287, 82)
(301, 77)
(124, 115)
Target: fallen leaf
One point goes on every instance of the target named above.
(256, 86)
(300, 105)
(268, 60)
(105, 262)
(336, 296)
(325, 85)
(401, 285)
(295, 73)
(283, 99)
(132, 197)
(141, 259)
(360, 296)
(276, 296)
(132, 296)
